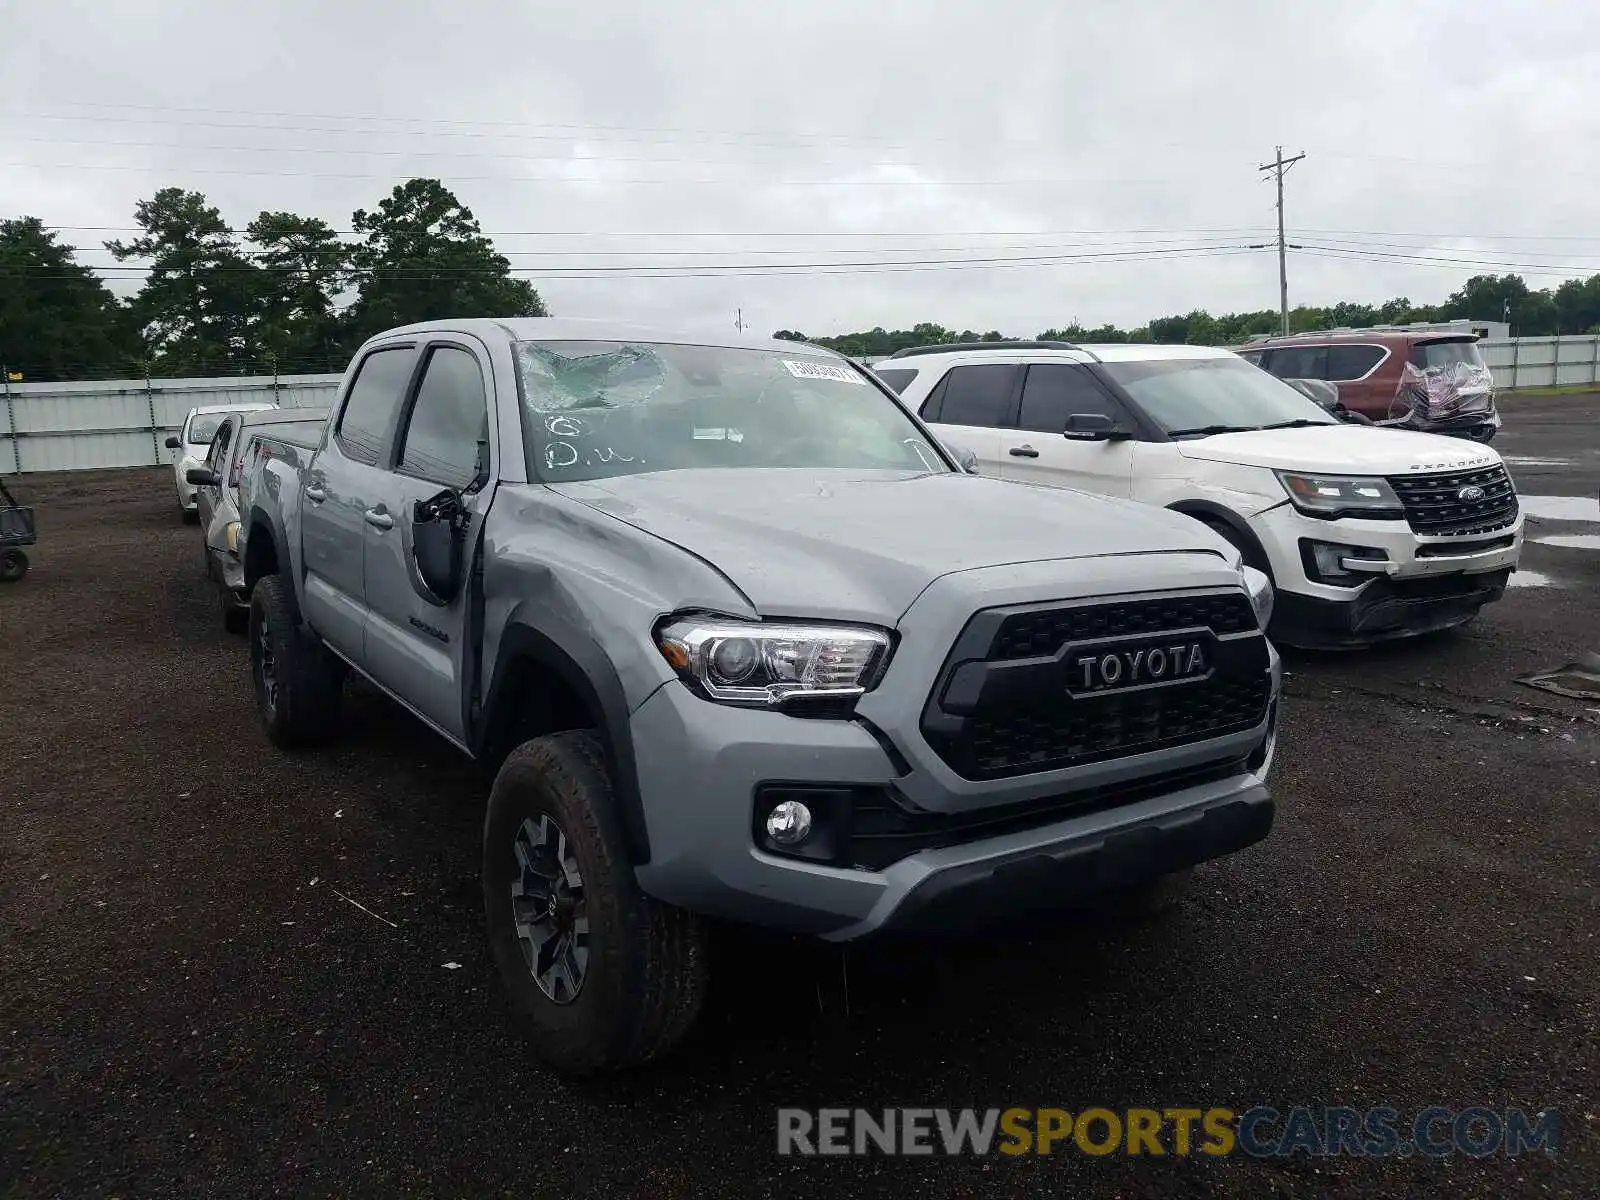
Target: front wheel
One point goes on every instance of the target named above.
(602, 976)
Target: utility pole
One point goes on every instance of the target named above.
(1278, 167)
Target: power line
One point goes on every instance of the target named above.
(604, 180)
(729, 234)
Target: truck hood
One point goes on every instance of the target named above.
(1341, 450)
(855, 545)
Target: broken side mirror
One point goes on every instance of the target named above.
(438, 545)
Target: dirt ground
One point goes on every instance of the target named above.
(191, 1001)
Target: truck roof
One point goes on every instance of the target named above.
(579, 329)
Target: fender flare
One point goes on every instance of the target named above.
(578, 660)
(273, 524)
(1255, 554)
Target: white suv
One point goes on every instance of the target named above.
(193, 443)
(1367, 533)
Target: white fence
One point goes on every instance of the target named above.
(1544, 361)
(123, 422)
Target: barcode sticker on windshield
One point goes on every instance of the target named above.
(834, 372)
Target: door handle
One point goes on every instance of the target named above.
(1024, 451)
(379, 519)
(313, 492)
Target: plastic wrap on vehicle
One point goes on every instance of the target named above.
(1437, 395)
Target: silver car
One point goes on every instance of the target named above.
(216, 490)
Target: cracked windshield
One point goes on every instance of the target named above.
(598, 409)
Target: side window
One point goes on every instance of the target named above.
(1352, 362)
(449, 425)
(1299, 362)
(374, 398)
(1054, 392)
(978, 395)
(897, 377)
(218, 453)
(1253, 357)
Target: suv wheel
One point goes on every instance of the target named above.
(602, 976)
(298, 685)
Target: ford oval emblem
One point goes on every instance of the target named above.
(1470, 494)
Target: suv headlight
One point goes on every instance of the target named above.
(1259, 588)
(1340, 495)
(763, 666)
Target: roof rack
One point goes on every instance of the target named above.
(966, 347)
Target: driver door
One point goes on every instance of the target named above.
(416, 641)
(1039, 450)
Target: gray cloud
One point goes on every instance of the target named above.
(835, 132)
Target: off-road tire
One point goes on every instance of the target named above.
(647, 973)
(310, 680)
(191, 516)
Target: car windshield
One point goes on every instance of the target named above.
(598, 409)
(1196, 396)
(203, 427)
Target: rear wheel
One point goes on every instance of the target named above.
(602, 976)
(298, 684)
(13, 565)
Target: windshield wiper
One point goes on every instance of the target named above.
(1208, 430)
(1299, 423)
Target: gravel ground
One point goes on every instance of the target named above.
(192, 1002)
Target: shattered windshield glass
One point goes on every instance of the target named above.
(596, 409)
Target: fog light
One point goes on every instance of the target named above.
(789, 823)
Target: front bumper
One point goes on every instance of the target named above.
(700, 766)
(1421, 584)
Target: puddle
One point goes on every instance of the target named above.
(1531, 579)
(1561, 508)
(1571, 541)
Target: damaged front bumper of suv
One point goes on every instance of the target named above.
(972, 786)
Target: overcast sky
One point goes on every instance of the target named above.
(680, 135)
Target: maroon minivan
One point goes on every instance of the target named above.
(1433, 382)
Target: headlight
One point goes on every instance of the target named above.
(757, 665)
(1259, 588)
(1338, 495)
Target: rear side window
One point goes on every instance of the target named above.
(1352, 362)
(1054, 392)
(978, 395)
(1299, 362)
(449, 427)
(897, 377)
(374, 399)
(1428, 355)
(1253, 357)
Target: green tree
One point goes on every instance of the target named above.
(304, 265)
(199, 311)
(423, 257)
(1578, 305)
(57, 319)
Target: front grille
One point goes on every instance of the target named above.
(1433, 503)
(1002, 705)
(1034, 632)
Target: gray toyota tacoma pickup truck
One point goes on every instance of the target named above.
(742, 642)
